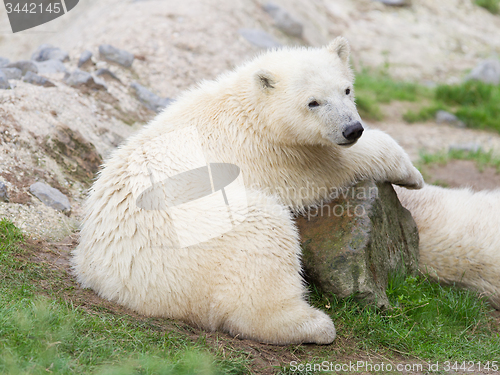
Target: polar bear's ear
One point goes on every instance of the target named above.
(341, 47)
(265, 79)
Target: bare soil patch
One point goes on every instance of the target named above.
(463, 173)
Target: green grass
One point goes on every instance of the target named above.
(428, 321)
(482, 158)
(373, 88)
(493, 6)
(40, 335)
(473, 102)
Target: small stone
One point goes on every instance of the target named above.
(487, 71)
(12, 73)
(79, 78)
(113, 54)
(283, 20)
(4, 196)
(51, 66)
(47, 52)
(106, 73)
(259, 38)
(24, 65)
(149, 99)
(447, 117)
(4, 82)
(85, 58)
(35, 79)
(51, 197)
(3, 61)
(469, 147)
(395, 3)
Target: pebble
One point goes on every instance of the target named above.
(4, 196)
(106, 73)
(113, 54)
(51, 66)
(85, 58)
(149, 99)
(396, 3)
(51, 197)
(487, 71)
(259, 38)
(24, 65)
(12, 73)
(80, 78)
(3, 61)
(48, 52)
(4, 82)
(284, 21)
(447, 117)
(35, 79)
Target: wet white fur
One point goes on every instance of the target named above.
(248, 281)
(459, 236)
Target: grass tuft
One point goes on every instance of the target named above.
(427, 321)
(40, 335)
(493, 6)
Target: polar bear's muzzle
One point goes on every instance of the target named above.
(352, 132)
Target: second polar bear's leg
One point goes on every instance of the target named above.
(378, 156)
(257, 288)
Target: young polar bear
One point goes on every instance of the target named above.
(285, 128)
(459, 234)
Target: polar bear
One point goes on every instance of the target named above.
(287, 124)
(459, 234)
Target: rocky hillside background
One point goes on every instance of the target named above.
(75, 88)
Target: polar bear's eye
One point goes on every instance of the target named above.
(347, 91)
(313, 104)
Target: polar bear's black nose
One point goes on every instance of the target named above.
(353, 131)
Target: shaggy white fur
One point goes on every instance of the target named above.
(459, 236)
(288, 120)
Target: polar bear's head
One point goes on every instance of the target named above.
(306, 96)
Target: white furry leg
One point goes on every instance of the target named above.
(459, 236)
(260, 293)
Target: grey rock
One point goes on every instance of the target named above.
(3, 61)
(259, 38)
(352, 245)
(12, 73)
(395, 3)
(4, 82)
(103, 72)
(487, 71)
(24, 65)
(37, 80)
(48, 52)
(85, 58)
(79, 78)
(51, 197)
(284, 21)
(51, 66)
(469, 147)
(149, 99)
(447, 117)
(113, 54)
(4, 196)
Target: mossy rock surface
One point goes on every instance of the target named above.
(352, 245)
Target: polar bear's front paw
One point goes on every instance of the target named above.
(411, 180)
